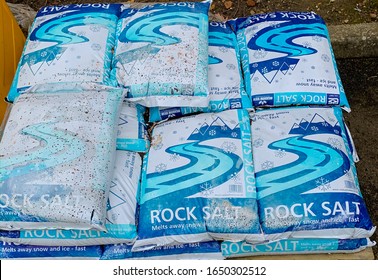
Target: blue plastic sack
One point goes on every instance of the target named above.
(287, 59)
(132, 131)
(198, 182)
(306, 180)
(295, 246)
(120, 216)
(70, 43)
(16, 251)
(56, 160)
(226, 84)
(191, 251)
(161, 54)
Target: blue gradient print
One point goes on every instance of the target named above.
(279, 39)
(316, 163)
(57, 31)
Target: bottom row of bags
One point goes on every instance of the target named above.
(196, 251)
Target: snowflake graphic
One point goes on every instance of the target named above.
(33, 45)
(206, 189)
(43, 54)
(96, 47)
(185, 27)
(157, 146)
(306, 44)
(95, 28)
(255, 65)
(174, 157)
(81, 33)
(274, 25)
(224, 127)
(323, 184)
(174, 34)
(317, 38)
(256, 79)
(234, 177)
(212, 132)
(266, 165)
(275, 63)
(160, 167)
(114, 217)
(336, 131)
(260, 53)
(314, 128)
(334, 142)
(231, 66)
(280, 153)
(325, 124)
(265, 70)
(228, 147)
(32, 60)
(223, 49)
(234, 134)
(325, 58)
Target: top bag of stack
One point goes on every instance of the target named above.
(70, 43)
(287, 59)
(161, 54)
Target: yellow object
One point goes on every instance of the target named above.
(12, 41)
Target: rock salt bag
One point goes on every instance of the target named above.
(287, 59)
(226, 85)
(68, 43)
(132, 132)
(120, 216)
(56, 160)
(198, 182)
(192, 251)
(17, 251)
(161, 54)
(306, 180)
(295, 246)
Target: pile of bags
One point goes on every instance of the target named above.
(244, 151)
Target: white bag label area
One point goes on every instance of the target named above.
(71, 43)
(287, 59)
(226, 84)
(57, 157)
(120, 215)
(161, 54)
(132, 131)
(306, 179)
(198, 181)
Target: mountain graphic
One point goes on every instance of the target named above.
(270, 68)
(317, 125)
(218, 128)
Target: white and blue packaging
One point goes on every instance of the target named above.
(161, 54)
(56, 160)
(287, 59)
(306, 180)
(192, 251)
(68, 43)
(226, 84)
(120, 216)
(198, 182)
(132, 132)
